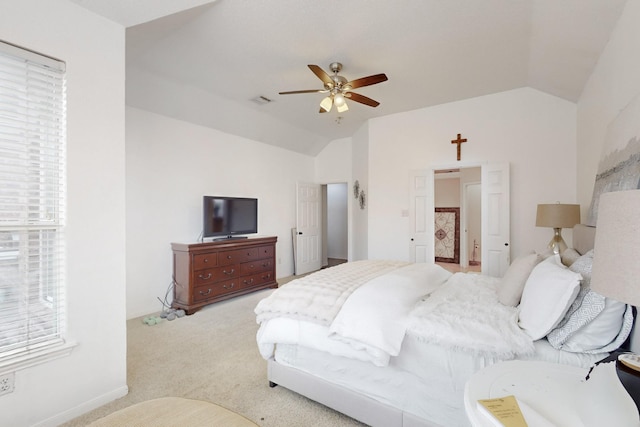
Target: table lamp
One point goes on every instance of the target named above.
(557, 216)
(616, 270)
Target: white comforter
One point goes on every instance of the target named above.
(376, 315)
(317, 298)
(363, 310)
(465, 314)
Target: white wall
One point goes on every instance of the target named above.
(447, 193)
(171, 164)
(359, 245)
(533, 131)
(613, 84)
(95, 372)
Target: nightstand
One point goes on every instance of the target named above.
(556, 393)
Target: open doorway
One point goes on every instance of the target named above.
(494, 246)
(335, 246)
(458, 218)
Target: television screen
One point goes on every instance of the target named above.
(228, 216)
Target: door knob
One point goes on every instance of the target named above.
(299, 232)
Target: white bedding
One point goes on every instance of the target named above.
(370, 325)
(318, 297)
(458, 312)
(465, 314)
(376, 315)
(421, 331)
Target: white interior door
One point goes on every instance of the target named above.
(308, 228)
(421, 214)
(496, 247)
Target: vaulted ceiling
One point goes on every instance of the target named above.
(207, 62)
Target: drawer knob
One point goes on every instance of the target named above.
(230, 286)
(229, 273)
(203, 293)
(205, 278)
(228, 256)
(248, 282)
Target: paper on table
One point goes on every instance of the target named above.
(509, 411)
(533, 417)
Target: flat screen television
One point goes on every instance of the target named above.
(229, 217)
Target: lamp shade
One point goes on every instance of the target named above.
(557, 215)
(616, 270)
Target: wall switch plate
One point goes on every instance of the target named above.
(6, 383)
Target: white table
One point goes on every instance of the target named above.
(558, 393)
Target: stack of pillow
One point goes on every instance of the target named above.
(556, 301)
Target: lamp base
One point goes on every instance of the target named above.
(630, 379)
(557, 243)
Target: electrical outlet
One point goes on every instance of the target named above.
(6, 383)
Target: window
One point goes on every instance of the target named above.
(32, 201)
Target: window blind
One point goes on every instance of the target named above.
(32, 203)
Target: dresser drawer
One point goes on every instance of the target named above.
(266, 251)
(252, 267)
(212, 290)
(217, 274)
(202, 261)
(256, 279)
(237, 256)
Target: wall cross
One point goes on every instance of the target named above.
(459, 141)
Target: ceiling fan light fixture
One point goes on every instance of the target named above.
(326, 104)
(339, 88)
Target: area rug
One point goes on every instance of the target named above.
(171, 412)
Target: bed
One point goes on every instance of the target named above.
(391, 343)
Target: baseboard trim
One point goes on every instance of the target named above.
(84, 407)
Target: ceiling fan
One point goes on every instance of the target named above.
(339, 89)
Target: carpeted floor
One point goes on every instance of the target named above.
(212, 356)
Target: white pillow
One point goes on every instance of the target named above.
(600, 331)
(512, 283)
(548, 294)
(585, 307)
(569, 256)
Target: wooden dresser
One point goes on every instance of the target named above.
(208, 272)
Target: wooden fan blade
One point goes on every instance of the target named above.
(302, 91)
(367, 81)
(361, 99)
(322, 75)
